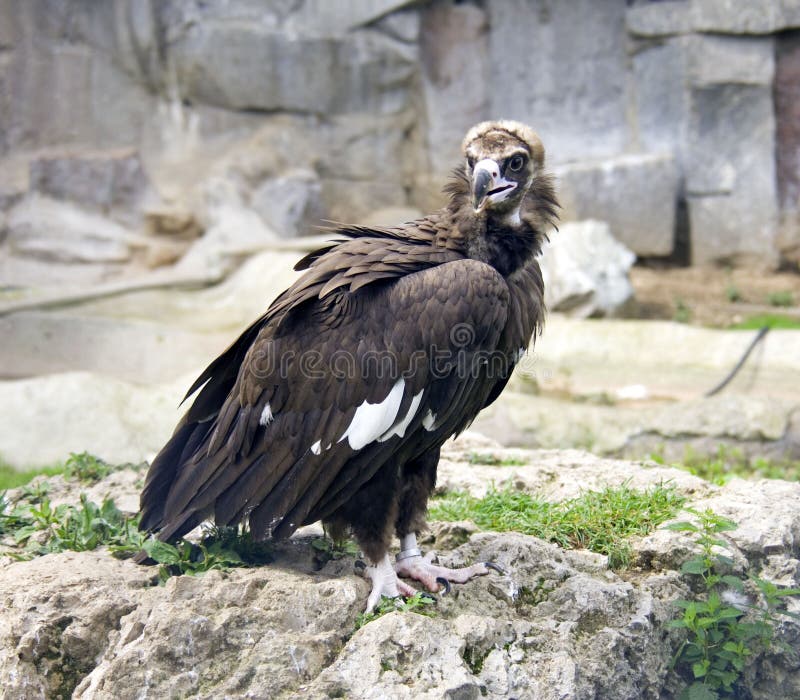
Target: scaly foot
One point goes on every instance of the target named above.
(435, 578)
(385, 583)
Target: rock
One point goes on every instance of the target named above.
(634, 194)
(580, 114)
(787, 135)
(732, 214)
(146, 335)
(586, 271)
(720, 60)
(119, 422)
(253, 65)
(320, 17)
(657, 19)
(235, 234)
(61, 625)
(111, 183)
(454, 53)
(668, 429)
(558, 624)
(554, 475)
(729, 17)
(685, 360)
(61, 232)
(289, 204)
(661, 94)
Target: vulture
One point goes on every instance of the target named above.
(334, 405)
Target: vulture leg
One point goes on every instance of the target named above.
(418, 481)
(411, 564)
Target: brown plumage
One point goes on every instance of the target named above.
(334, 404)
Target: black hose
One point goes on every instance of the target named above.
(759, 337)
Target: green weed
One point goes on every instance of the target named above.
(723, 629)
(420, 603)
(729, 462)
(732, 293)
(600, 521)
(683, 313)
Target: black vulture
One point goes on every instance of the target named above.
(334, 404)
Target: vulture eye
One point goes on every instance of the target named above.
(516, 163)
(471, 162)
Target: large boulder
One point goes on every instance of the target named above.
(635, 194)
(559, 623)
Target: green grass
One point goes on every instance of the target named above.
(82, 466)
(729, 462)
(493, 460)
(774, 321)
(600, 521)
(11, 478)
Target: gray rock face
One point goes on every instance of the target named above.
(732, 191)
(559, 624)
(579, 112)
(635, 195)
(240, 65)
(113, 183)
(374, 100)
(728, 16)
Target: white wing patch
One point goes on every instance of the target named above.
(400, 427)
(266, 416)
(428, 420)
(316, 448)
(372, 420)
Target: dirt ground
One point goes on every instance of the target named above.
(714, 296)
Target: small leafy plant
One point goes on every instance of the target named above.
(723, 629)
(327, 549)
(420, 603)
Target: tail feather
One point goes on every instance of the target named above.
(163, 472)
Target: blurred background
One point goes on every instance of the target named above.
(164, 163)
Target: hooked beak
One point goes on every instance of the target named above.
(487, 185)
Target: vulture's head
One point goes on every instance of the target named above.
(502, 160)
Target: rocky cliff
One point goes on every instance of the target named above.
(130, 127)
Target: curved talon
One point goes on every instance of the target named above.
(495, 567)
(359, 565)
(428, 595)
(443, 582)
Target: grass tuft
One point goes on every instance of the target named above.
(493, 460)
(597, 520)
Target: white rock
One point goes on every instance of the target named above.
(61, 232)
(586, 270)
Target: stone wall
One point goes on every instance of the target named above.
(169, 116)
